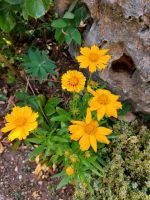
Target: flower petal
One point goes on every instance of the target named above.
(77, 132)
(102, 139)
(81, 123)
(103, 131)
(8, 127)
(31, 126)
(111, 111)
(88, 116)
(17, 133)
(94, 49)
(84, 142)
(85, 51)
(101, 112)
(92, 67)
(93, 142)
(94, 105)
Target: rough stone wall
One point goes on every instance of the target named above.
(123, 26)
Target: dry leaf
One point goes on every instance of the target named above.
(40, 168)
(1, 148)
(35, 194)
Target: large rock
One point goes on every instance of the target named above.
(123, 26)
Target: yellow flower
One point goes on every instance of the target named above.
(20, 122)
(93, 58)
(88, 132)
(69, 171)
(73, 81)
(104, 102)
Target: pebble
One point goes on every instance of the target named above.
(40, 182)
(20, 177)
(16, 169)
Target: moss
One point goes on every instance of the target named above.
(127, 174)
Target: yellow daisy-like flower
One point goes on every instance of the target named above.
(88, 132)
(104, 102)
(69, 171)
(73, 81)
(93, 57)
(20, 122)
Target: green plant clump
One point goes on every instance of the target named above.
(127, 175)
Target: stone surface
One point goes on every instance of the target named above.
(123, 26)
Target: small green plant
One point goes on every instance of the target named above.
(67, 27)
(13, 10)
(37, 64)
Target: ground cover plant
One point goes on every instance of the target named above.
(66, 118)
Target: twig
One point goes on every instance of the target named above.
(28, 84)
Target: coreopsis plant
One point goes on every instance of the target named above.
(72, 139)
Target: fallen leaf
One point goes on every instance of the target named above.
(35, 194)
(1, 148)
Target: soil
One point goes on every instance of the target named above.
(17, 181)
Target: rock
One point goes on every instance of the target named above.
(124, 27)
(129, 117)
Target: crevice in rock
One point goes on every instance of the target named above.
(123, 64)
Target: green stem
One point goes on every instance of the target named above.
(73, 103)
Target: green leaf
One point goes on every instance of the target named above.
(14, 2)
(61, 118)
(97, 165)
(63, 182)
(41, 100)
(3, 97)
(54, 101)
(35, 8)
(62, 111)
(38, 64)
(58, 175)
(85, 180)
(50, 106)
(7, 21)
(68, 15)
(36, 151)
(73, 34)
(35, 140)
(59, 139)
(126, 107)
(81, 14)
(59, 23)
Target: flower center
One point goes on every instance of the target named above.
(21, 121)
(93, 57)
(90, 128)
(103, 99)
(73, 81)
